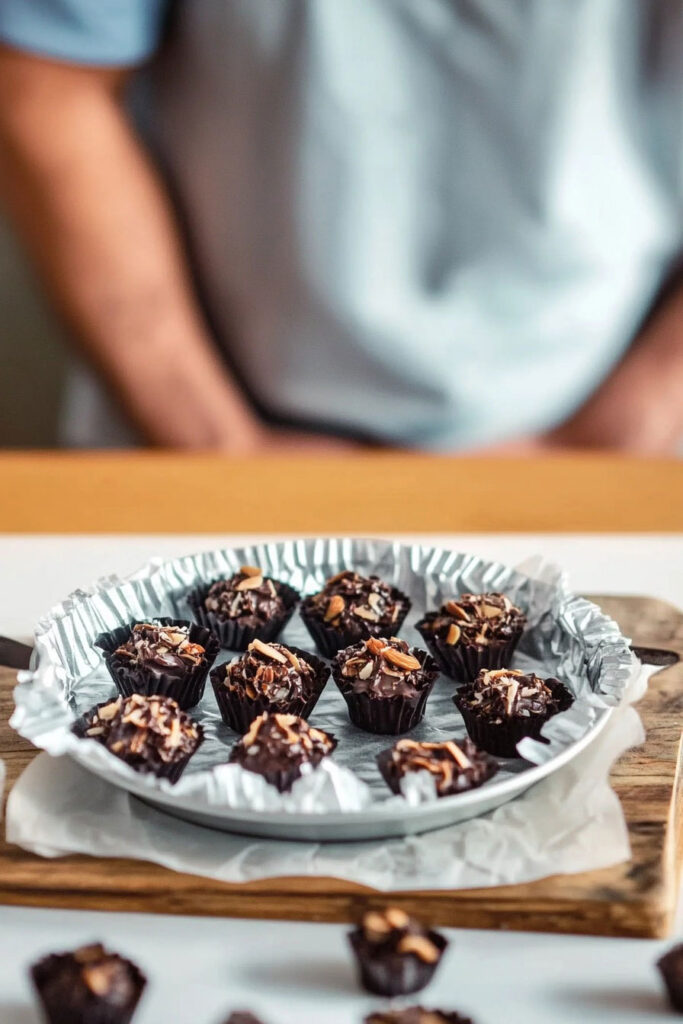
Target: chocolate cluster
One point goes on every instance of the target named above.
(471, 632)
(272, 672)
(505, 693)
(160, 649)
(279, 747)
(417, 1015)
(454, 767)
(479, 619)
(151, 734)
(89, 984)
(351, 607)
(385, 683)
(248, 595)
(502, 706)
(396, 954)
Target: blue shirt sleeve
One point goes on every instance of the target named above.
(115, 33)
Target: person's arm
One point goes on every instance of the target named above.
(93, 213)
(639, 408)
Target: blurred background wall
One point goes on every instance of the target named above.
(31, 354)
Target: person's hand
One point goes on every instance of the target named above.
(271, 441)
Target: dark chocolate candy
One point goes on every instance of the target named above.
(248, 596)
(351, 607)
(385, 683)
(269, 677)
(471, 632)
(88, 986)
(417, 1015)
(454, 766)
(479, 619)
(502, 706)
(151, 734)
(396, 954)
(279, 746)
(160, 650)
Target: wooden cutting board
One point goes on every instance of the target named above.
(637, 898)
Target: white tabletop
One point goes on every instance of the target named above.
(201, 968)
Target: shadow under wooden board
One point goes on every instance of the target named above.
(637, 898)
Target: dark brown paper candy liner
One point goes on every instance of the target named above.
(171, 771)
(329, 640)
(186, 689)
(670, 967)
(501, 739)
(282, 779)
(463, 662)
(238, 710)
(385, 973)
(390, 716)
(234, 635)
(93, 1010)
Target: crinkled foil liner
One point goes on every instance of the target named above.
(567, 637)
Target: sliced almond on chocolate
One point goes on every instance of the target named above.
(456, 610)
(250, 583)
(376, 923)
(108, 711)
(251, 570)
(453, 634)
(420, 946)
(292, 659)
(375, 645)
(375, 601)
(363, 612)
(335, 607)
(396, 917)
(366, 670)
(457, 754)
(402, 660)
(267, 651)
(492, 611)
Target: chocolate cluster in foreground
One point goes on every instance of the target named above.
(249, 596)
(396, 954)
(351, 607)
(502, 706)
(279, 746)
(89, 984)
(160, 650)
(454, 767)
(272, 672)
(151, 734)
(471, 632)
(385, 683)
(417, 1015)
(670, 967)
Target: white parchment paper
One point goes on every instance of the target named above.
(570, 822)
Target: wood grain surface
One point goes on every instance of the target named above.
(374, 493)
(633, 899)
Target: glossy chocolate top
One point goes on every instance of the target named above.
(160, 650)
(281, 743)
(500, 694)
(476, 619)
(357, 605)
(148, 732)
(455, 767)
(385, 667)
(270, 671)
(248, 596)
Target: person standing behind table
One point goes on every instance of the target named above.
(437, 224)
